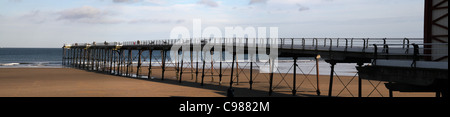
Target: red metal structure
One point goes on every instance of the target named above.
(436, 29)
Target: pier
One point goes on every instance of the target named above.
(117, 58)
(405, 65)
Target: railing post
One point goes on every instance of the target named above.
(292, 43)
(416, 55)
(375, 55)
(351, 43)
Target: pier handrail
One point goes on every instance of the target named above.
(416, 56)
(296, 43)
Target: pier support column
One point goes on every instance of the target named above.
(177, 65)
(129, 62)
(111, 60)
(80, 58)
(203, 68)
(294, 89)
(192, 63)
(139, 63)
(97, 59)
(237, 70)
(119, 63)
(74, 63)
(150, 52)
(181, 68)
(92, 59)
(212, 66)
(73, 57)
(230, 92)
(271, 63)
(220, 69)
(77, 55)
(64, 56)
(105, 59)
(163, 56)
(88, 62)
(360, 83)
(317, 75)
(196, 68)
(251, 72)
(122, 62)
(330, 90)
(84, 58)
(67, 57)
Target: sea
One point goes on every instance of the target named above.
(52, 58)
(30, 57)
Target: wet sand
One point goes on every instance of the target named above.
(68, 82)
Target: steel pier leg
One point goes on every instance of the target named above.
(196, 69)
(237, 70)
(360, 83)
(230, 92)
(111, 61)
(129, 63)
(150, 64)
(88, 55)
(119, 62)
(251, 72)
(317, 75)
(73, 57)
(212, 66)
(271, 76)
(84, 58)
(330, 90)
(177, 67)
(192, 63)
(294, 89)
(181, 68)
(203, 70)
(220, 68)
(163, 52)
(139, 64)
(105, 59)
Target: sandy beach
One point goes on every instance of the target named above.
(69, 82)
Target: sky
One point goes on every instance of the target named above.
(52, 23)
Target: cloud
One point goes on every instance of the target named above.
(302, 8)
(15, 0)
(35, 16)
(158, 2)
(257, 2)
(158, 21)
(125, 1)
(209, 3)
(86, 14)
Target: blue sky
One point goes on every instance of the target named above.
(51, 23)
